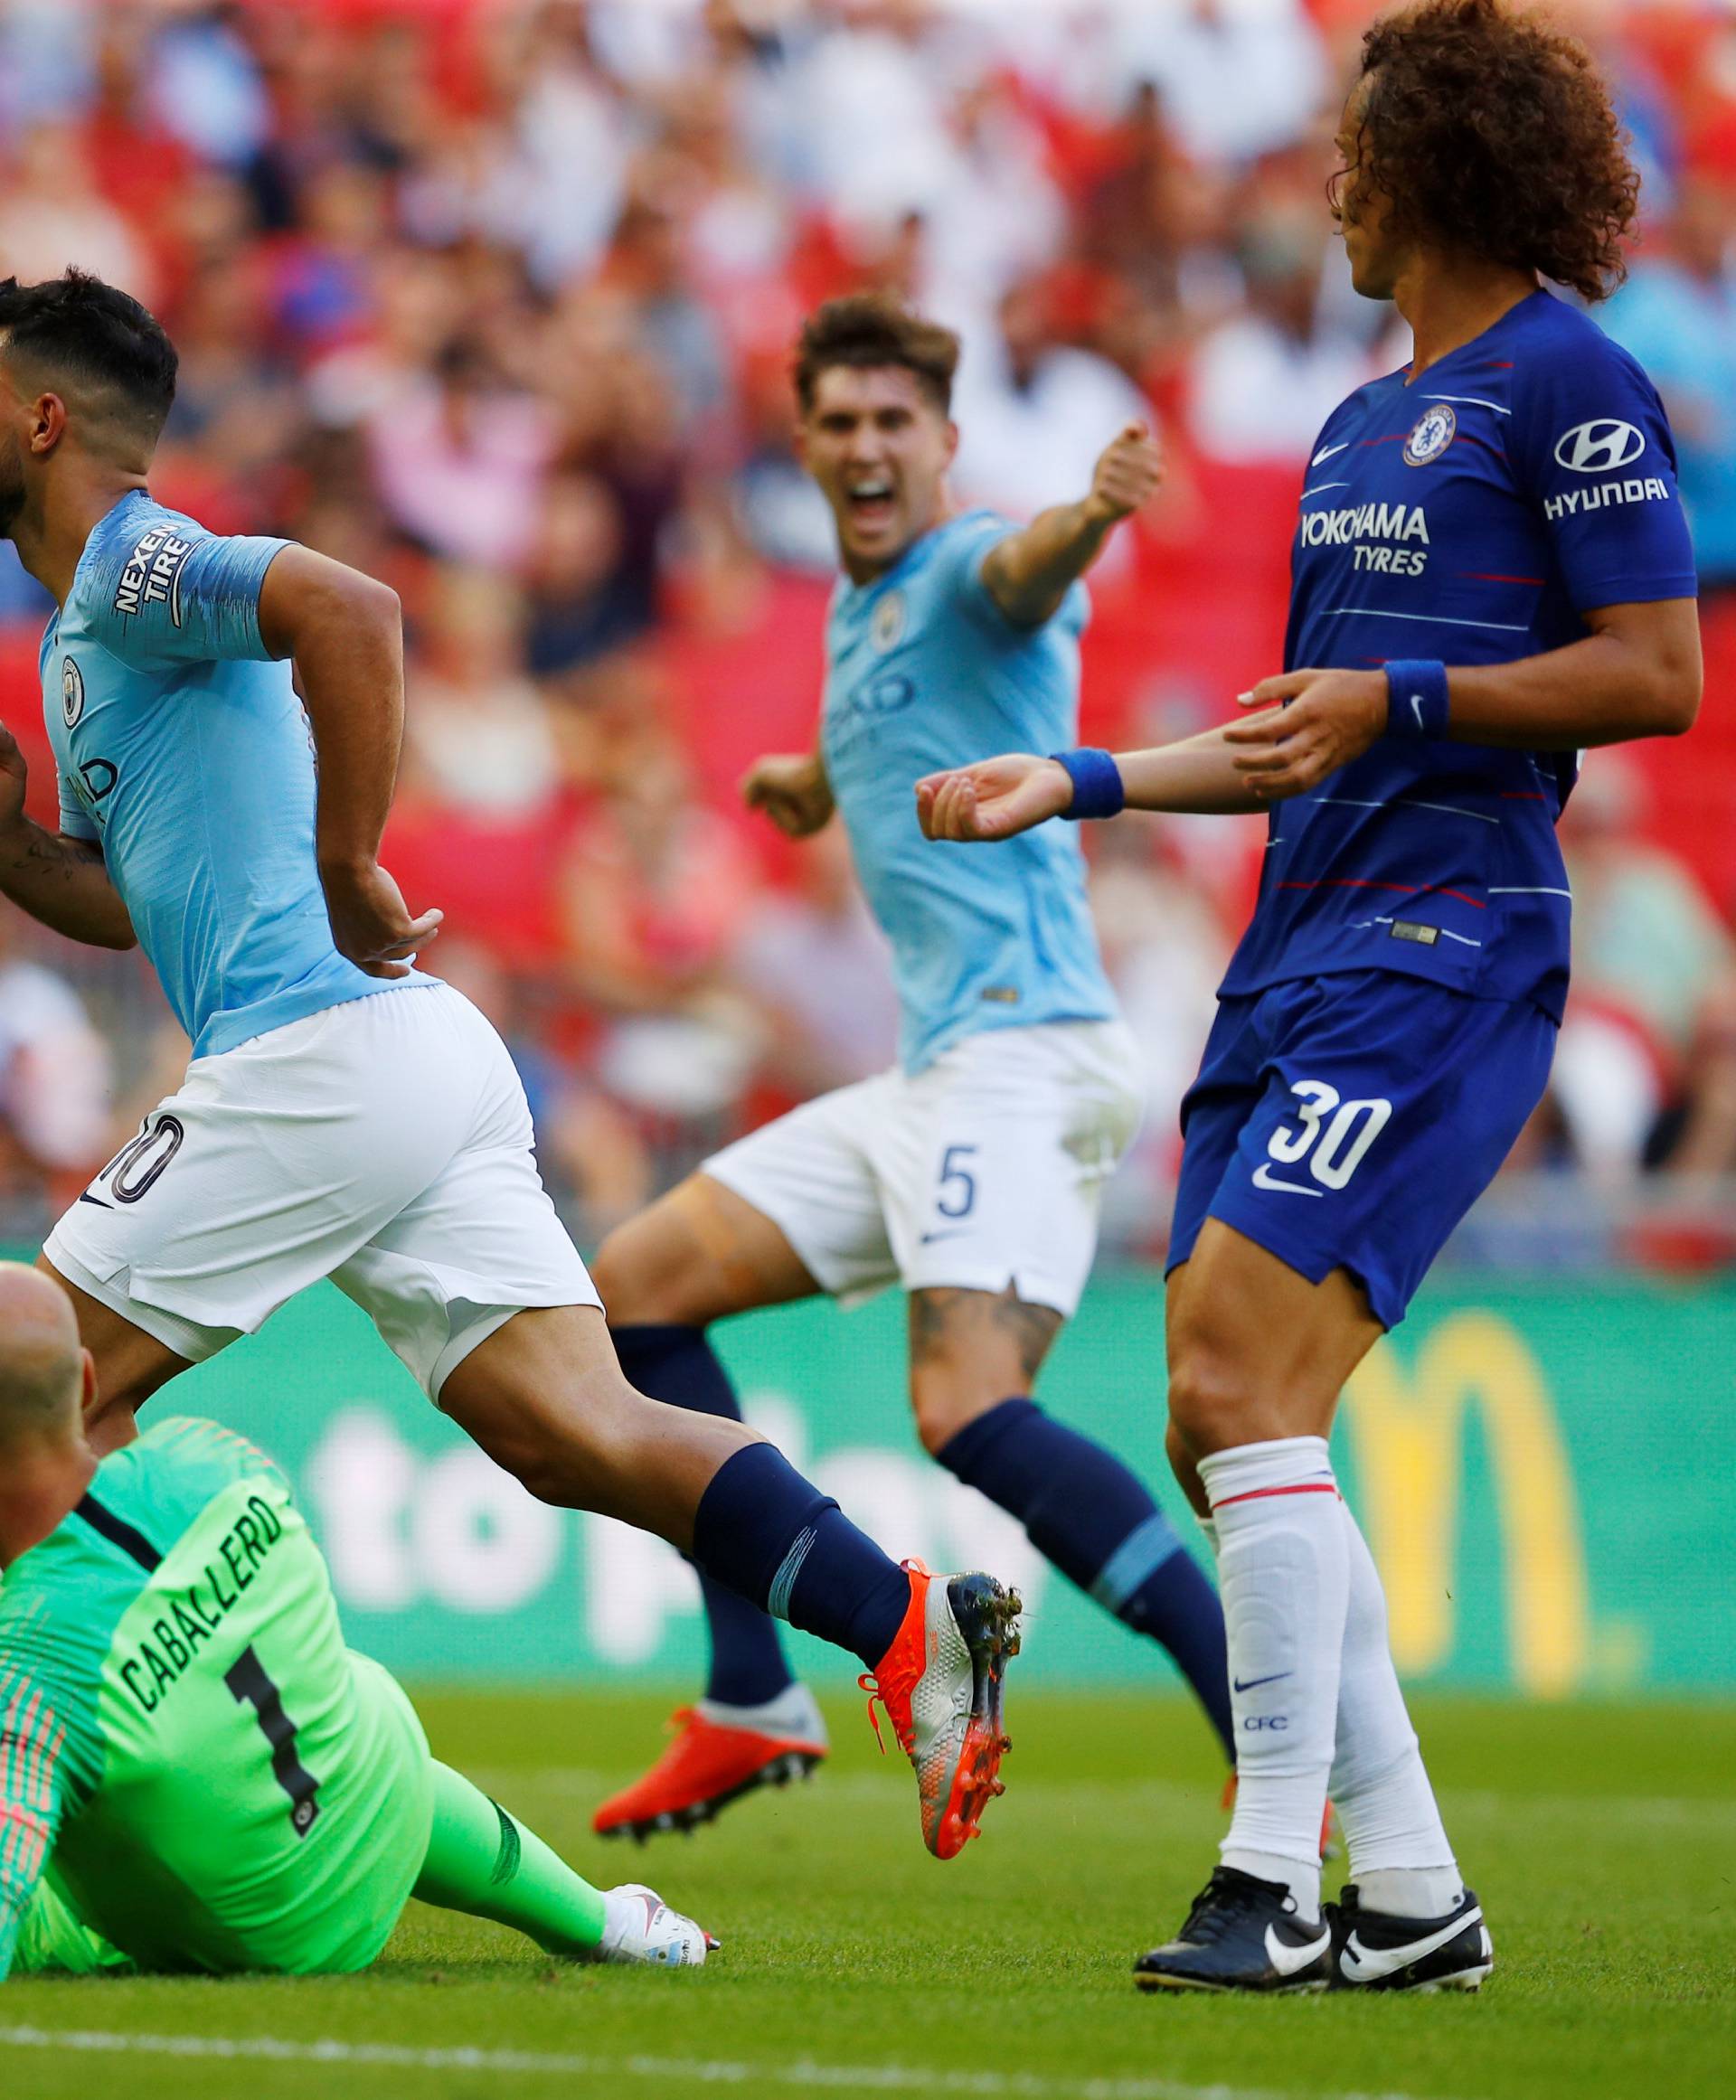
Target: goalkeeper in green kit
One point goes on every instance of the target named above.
(196, 1773)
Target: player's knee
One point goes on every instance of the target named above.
(566, 1439)
(945, 1398)
(561, 1467)
(970, 1350)
(1186, 1472)
(1212, 1402)
(638, 1285)
(679, 1263)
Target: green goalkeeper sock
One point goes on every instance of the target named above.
(482, 1860)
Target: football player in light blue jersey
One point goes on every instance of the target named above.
(344, 1115)
(182, 755)
(970, 1174)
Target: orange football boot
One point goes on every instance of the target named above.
(707, 1766)
(939, 1685)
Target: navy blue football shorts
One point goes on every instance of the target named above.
(1350, 1121)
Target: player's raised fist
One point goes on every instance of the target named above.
(13, 774)
(996, 799)
(793, 790)
(371, 923)
(1127, 473)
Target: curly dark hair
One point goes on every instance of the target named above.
(864, 329)
(1490, 131)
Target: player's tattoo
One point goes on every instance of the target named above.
(943, 1318)
(929, 1315)
(63, 882)
(60, 856)
(1033, 1327)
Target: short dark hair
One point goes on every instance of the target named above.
(88, 330)
(1490, 131)
(865, 329)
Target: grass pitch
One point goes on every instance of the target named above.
(1602, 1840)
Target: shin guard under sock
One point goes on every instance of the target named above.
(1399, 1856)
(775, 1538)
(1283, 1565)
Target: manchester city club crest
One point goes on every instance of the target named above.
(1435, 431)
(886, 629)
(72, 691)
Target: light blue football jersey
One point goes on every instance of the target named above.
(181, 747)
(924, 671)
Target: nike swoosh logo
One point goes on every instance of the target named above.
(98, 1202)
(1286, 1959)
(1415, 709)
(1327, 451)
(929, 1238)
(1247, 1684)
(1264, 1178)
(1367, 1965)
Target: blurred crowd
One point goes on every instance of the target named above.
(496, 301)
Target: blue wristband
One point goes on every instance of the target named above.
(1416, 698)
(1098, 790)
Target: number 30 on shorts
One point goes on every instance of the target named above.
(1335, 1135)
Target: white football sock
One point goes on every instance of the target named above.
(1399, 1857)
(1283, 1569)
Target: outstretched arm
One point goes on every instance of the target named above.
(345, 634)
(1030, 573)
(59, 879)
(996, 799)
(1637, 674)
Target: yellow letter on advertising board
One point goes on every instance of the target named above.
(1409, 1440)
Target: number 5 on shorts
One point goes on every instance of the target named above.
(956, 1195)
(1333, 1149)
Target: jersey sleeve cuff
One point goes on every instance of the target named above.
(1589, 597)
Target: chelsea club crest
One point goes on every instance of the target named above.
(886, 629)
(72, 691)
(1435, 431)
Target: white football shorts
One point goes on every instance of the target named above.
(384, 1143)
(981, 1173)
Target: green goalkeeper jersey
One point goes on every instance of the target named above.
(210, 1777)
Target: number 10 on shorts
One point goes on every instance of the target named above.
(1333, 1135)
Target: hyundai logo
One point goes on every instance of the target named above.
(1598, 446)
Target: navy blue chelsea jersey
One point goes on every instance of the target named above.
(1475, 515)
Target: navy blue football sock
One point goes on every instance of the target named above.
(774, 1538)
(678, 1366)
(1087, 1512)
